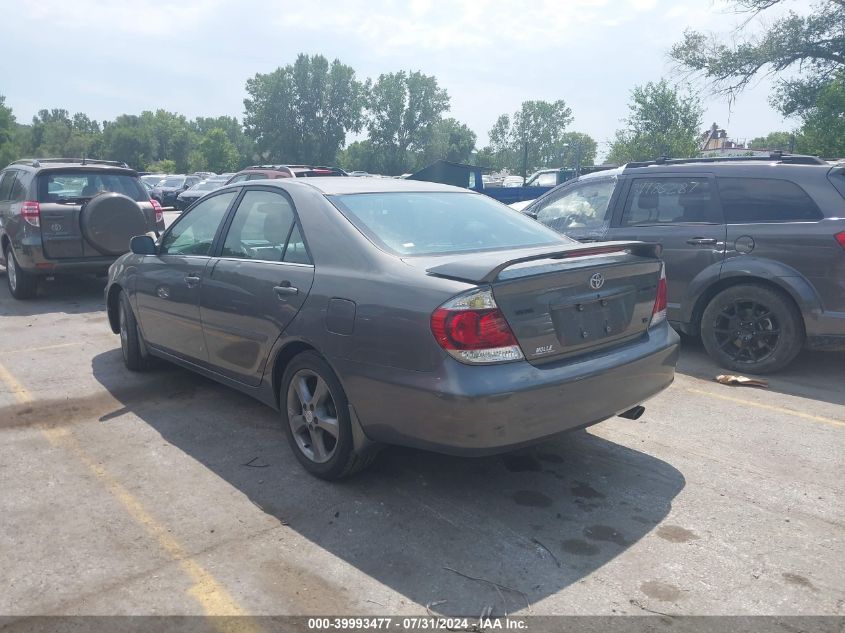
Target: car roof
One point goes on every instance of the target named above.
(335, 185)
(338, 185)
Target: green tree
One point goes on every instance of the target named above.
(8, 147)
(578, 149)
(360, 155)
(302, 112)
(127, 139)
(823, 129)
(539, 126)
(402, 113)
(773, 140)
(162, 167)
(217, 152)
(244, 145)
(662, 122)
(451, 140)
(172, 136)
(813, 43)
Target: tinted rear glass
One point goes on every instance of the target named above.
(79, 184)
(172, 182)
(746, 200)
(434, 222)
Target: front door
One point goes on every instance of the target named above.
(257, 285)
(167, 287)
(682, 213)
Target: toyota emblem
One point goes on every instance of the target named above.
(596, 281)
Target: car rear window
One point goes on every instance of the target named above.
(427, 223)
(70, 186)
(172, 182)
(748, 200)
(317, 172)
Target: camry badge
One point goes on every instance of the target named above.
(596, 281)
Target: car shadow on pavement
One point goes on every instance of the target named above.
(459, 534)
(77, 294)
(813, 375)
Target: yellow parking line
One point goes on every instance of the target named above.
(206, 590)
(768, 407)
(41, 349)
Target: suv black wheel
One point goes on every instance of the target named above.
(751, 328)
(131, 343)
(316, 418)
(22, 285)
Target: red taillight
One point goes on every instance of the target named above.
(840, 237)
(159, 214)
(658, 314)
(473, 330)
(31, 213)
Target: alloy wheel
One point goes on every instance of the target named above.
(312, 415)
(11, 272)
(124, 333)
(747, 331)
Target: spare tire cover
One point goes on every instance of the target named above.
(110, 220)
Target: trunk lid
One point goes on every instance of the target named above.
(570, 301)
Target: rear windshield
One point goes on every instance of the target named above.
(172, 181)
(71, 186)
(433, 222)
(317, 172)
(207, 186)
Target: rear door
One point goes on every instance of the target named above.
(168, 284)
(256, 286)
(683, 215)
(776, 219)
(61, 195)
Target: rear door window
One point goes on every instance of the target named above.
(6, 185)
(670, 200)
(763, 200)
(18, 193)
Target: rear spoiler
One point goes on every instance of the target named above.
(486, 267)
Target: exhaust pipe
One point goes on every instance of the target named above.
(634, 413)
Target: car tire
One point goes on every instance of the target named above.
(131, 342)
(316, 418)
(22, 284)
(752, 328)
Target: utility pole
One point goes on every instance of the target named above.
(524, 159)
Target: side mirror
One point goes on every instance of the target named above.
(142, 245)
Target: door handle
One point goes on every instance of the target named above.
(285, 289)
(702, 241)
(192, 280)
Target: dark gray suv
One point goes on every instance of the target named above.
(64, 215)
(754, 246)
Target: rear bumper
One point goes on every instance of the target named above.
(30, 257)
(466, 410)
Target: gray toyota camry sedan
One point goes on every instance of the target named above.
(375, 311)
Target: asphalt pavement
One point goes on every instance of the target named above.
(166, 493)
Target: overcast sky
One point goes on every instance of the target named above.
(193, 57)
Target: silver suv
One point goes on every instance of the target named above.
(66, 215)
